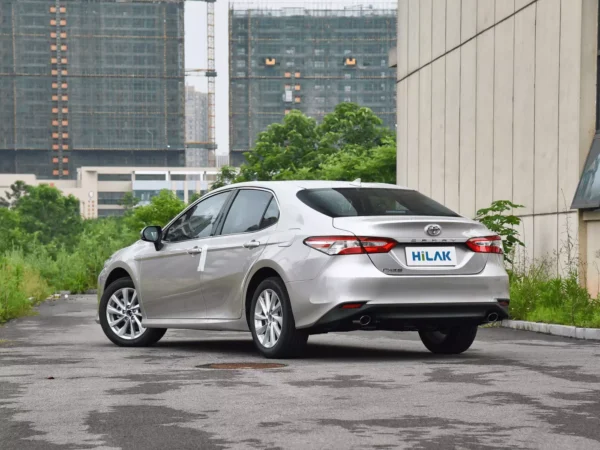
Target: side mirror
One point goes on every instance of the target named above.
(152, 234)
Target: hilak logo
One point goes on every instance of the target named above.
(426, 256)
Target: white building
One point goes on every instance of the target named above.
(101, 189)
(496, 99)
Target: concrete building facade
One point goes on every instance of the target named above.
(496, 99)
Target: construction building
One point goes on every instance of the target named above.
(196, 115)
(90, 83)
(307, 59)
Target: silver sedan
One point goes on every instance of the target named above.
(287, 259)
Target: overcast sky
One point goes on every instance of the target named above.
(195, 49)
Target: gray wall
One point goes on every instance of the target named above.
(496, 100)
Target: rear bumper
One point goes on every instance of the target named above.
(409, 316)
(354, 278)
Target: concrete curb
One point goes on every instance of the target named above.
(555, 330)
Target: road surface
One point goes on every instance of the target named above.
(63, 385)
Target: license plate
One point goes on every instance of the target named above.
(430, 256)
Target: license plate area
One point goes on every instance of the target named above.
(431, 256)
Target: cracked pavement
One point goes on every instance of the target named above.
(383, 390)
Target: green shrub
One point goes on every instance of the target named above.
(18, 284)
(537, 294)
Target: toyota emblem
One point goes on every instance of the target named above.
(433, 230)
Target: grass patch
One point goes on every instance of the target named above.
(21, 288)
(537, 294)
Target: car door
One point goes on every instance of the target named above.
(170, 278)
(242, 237)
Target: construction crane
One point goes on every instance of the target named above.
(210, 72)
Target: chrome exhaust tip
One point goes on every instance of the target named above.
(492, 317)
(364, 320)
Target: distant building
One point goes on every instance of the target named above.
(305, 59)
(196, 115)
(100, 190)
(90, 83)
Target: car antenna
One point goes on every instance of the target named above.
(357, 181)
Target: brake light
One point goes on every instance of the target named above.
(490, 244)
(350, 245)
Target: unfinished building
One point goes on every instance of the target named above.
(307, 59)
(90, 83)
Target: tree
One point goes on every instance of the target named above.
(160, 211)
(351, 142)
(282, 149)
(376, 164)
(129, 201)
(351, 124)
(495, 219)
(225, 177)
(17, 190)
(47, 215)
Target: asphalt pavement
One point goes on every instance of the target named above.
(63, 385)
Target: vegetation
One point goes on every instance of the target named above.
(495, 219)
(537, 294)
(46, 247)
(351, 142)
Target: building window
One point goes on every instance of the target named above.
(110, 212)
(110, 198)
(150, 177)
(114, 177)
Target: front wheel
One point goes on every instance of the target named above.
(272, 322)
(451, 341)
(121, 316)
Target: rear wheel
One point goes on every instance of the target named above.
(272, 322)
(121, 316)
(450, 341)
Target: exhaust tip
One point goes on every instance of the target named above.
(364, 320)
(492, 317)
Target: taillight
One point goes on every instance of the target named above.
(349, 245)
(490, 244)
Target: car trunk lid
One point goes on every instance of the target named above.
(419, 252)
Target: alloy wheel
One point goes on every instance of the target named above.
(268, 318)
(124, 314)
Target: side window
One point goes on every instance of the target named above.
(247, 212)
(271, 215)
(199, 221)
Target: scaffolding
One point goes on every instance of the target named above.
(306, 58)
(90, 82)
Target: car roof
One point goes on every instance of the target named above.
(315, 184)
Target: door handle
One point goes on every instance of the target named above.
(252, 244)
(194, 251)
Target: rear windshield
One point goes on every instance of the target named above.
(350, 202)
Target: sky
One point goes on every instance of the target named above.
(195, 50)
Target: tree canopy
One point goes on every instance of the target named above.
(351, 142)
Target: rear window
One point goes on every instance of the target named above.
(350, 202)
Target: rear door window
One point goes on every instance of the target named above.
(351, 202)
(247, 212)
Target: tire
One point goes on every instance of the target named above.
(291, 342)
(149, 336)
(451, 341)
